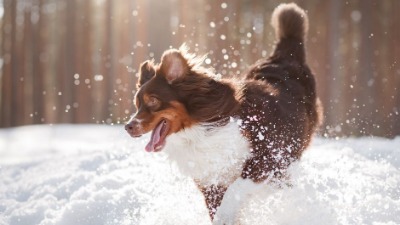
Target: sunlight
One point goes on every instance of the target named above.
(99, 2)
(1, 9)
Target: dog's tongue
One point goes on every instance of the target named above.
(155, 138)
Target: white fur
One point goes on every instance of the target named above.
(236, 195)
(209, 154)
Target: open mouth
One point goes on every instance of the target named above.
(157, 140)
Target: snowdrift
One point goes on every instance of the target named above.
(96, 174)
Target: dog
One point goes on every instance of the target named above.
(230, 135)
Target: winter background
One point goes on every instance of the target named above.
(67, 80)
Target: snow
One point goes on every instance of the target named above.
(97, 174)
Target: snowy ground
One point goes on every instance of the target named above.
(94, 174)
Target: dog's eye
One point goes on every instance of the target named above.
(153, 103)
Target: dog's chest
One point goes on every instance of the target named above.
(210, 155)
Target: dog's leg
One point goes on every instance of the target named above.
(236, 194)
(213, 195)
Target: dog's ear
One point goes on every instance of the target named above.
(146, 72)
(174, 65)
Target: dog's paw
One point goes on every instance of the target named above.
(228, 212)
(236, 195)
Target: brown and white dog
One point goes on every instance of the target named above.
(230, 135)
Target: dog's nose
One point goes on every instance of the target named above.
(128, 127)
(133, 128)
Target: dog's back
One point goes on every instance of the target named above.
(279, 106)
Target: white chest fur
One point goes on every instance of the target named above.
(210, 155)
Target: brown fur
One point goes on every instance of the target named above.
(213, 195)
(276, 102)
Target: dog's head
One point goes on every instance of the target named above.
(176, 94)
(160, 108)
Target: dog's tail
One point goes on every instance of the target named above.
(291, 25)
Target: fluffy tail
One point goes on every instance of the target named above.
(291, 25)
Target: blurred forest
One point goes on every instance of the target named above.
(75, 61)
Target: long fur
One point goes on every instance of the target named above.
(209, 154)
